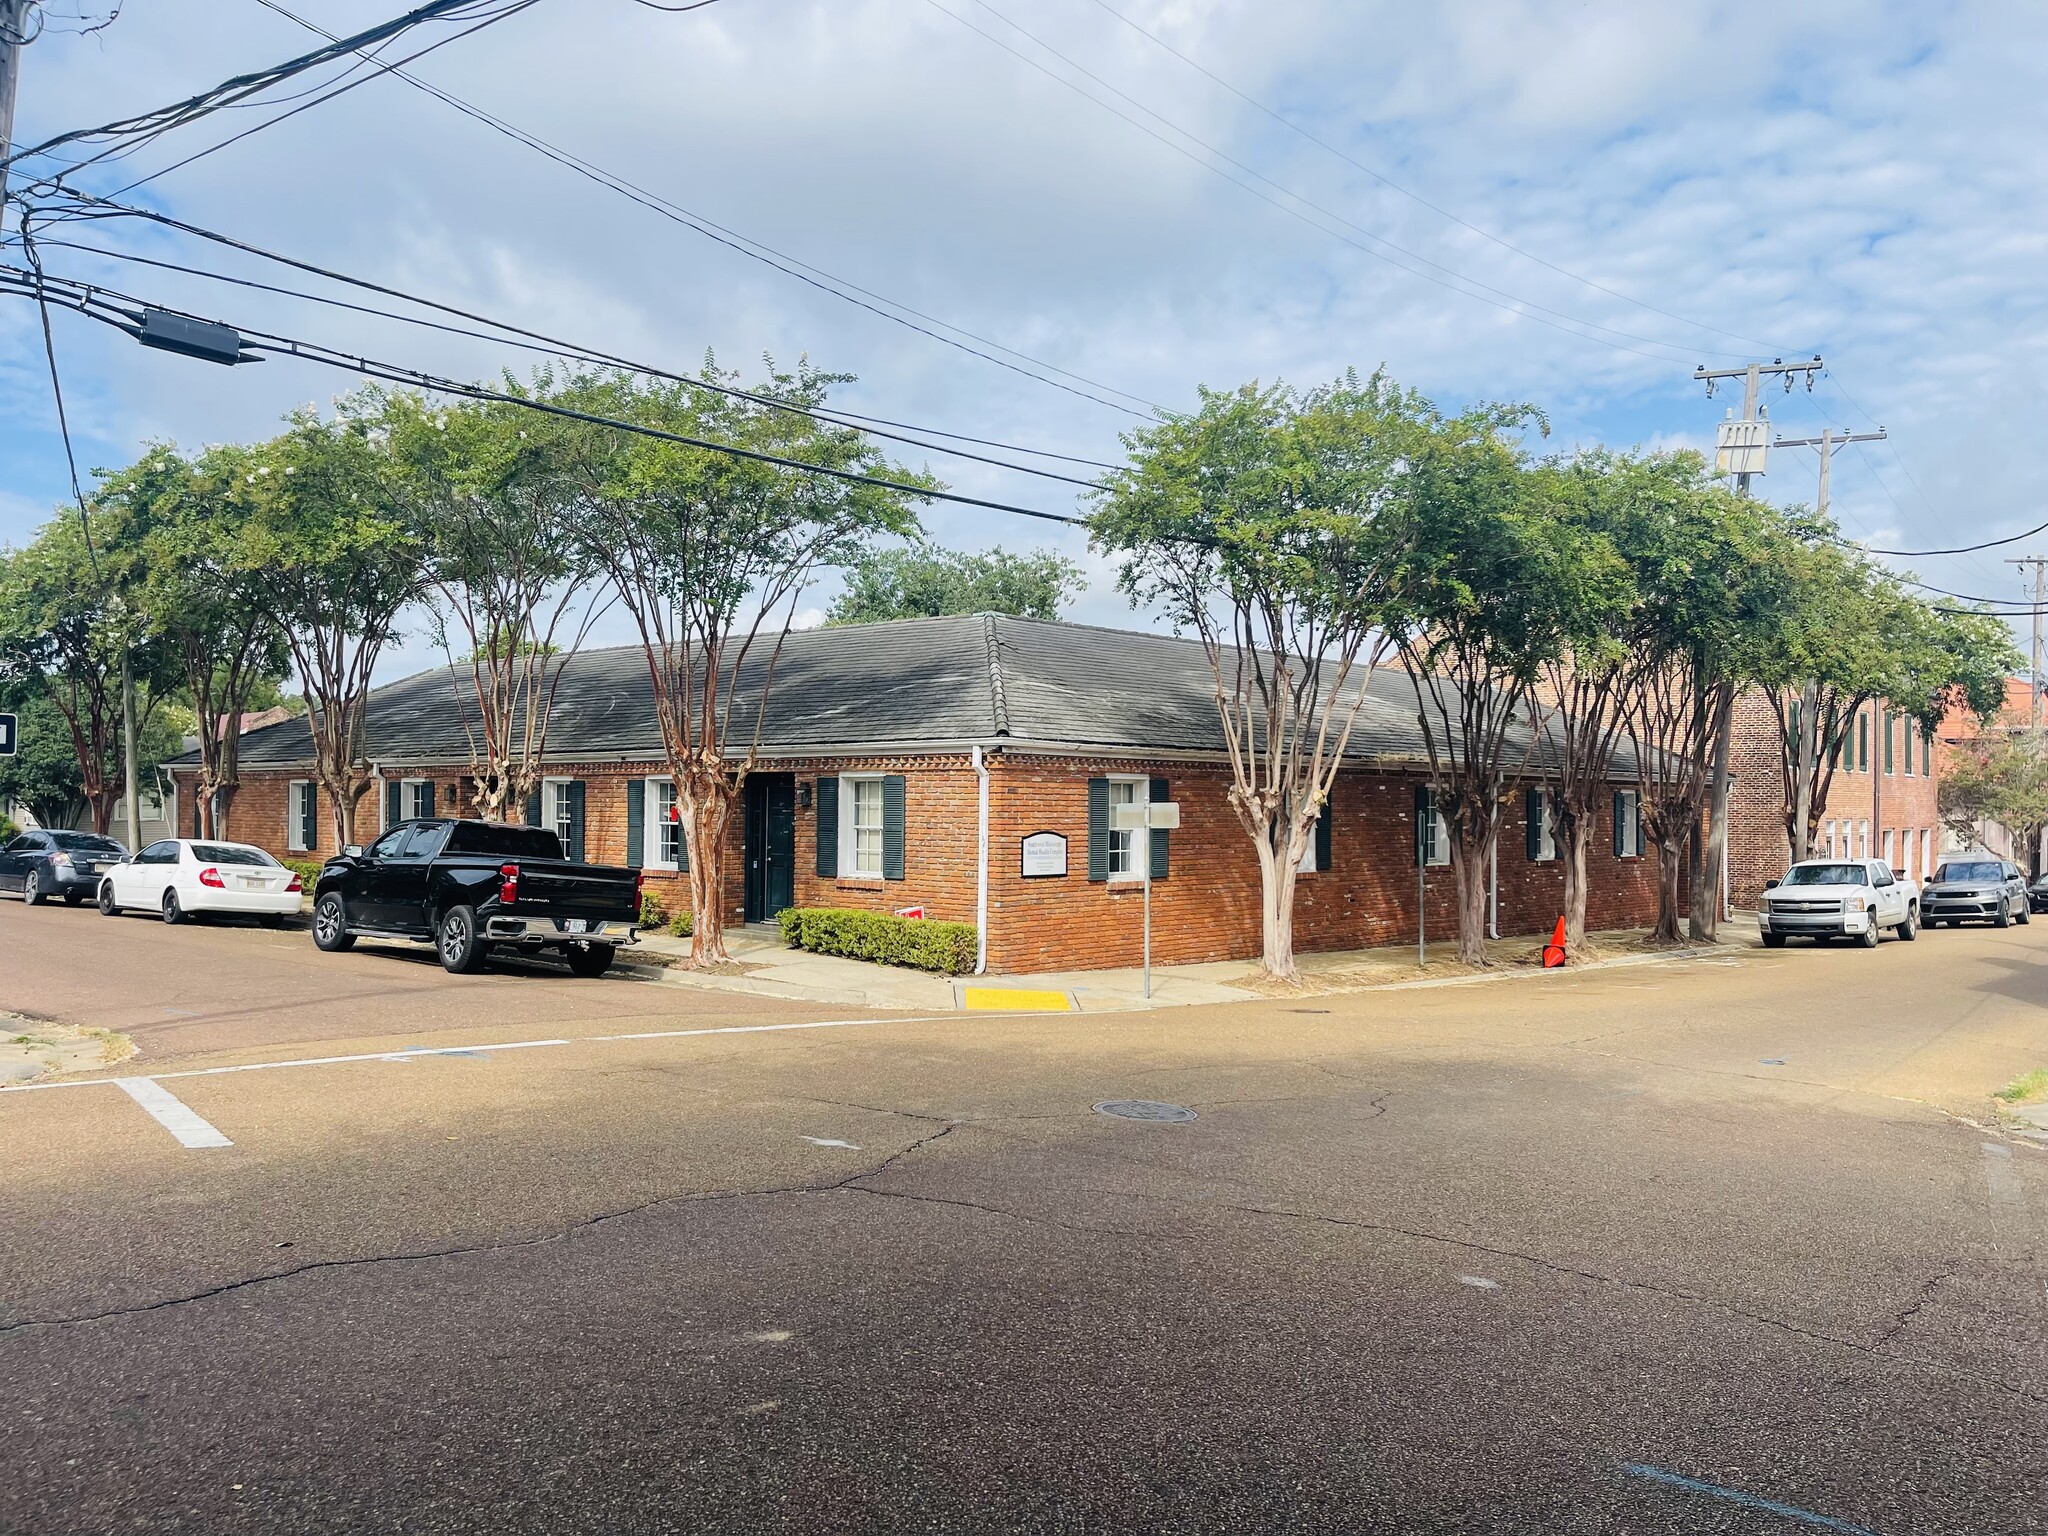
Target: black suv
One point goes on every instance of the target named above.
(40, 865)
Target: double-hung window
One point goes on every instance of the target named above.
(415, 800)
(1628, 824)
(861, 826)
(298, 816)
(1125, 789)
(668, 831)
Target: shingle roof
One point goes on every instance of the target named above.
(894, 686)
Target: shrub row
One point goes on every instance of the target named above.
(308, 871)
(654, 914)
(881, 937)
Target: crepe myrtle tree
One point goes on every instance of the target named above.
(486, 488)
(1265, 523)
(338, 565)
(205, 607)
(1499, 582)
(2000, 777)
(709, 553)
(923, 581)
(67, 617)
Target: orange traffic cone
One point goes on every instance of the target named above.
(1553, 952)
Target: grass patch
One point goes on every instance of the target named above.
(2032, 1088)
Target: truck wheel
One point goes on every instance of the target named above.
(590, 959)
(1909, 929)
(1868, 937)
(1774, 941)
(457, 943)
(330, 925)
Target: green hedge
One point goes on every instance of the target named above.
(308, 870)
(881, 937)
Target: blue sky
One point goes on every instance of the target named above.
(1715, 184)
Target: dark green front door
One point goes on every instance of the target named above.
(771, 844)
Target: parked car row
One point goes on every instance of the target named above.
(465, 887)
(1862, 899)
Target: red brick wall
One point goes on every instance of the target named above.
(1206, 909)
(1208, 906)
(1897, 802)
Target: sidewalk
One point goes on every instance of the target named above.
(764, 967)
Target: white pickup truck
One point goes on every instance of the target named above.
(1839, 898)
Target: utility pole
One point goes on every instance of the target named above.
(2040, 565)
(13, 38)
(1742, 447)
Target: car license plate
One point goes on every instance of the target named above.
(575, 925)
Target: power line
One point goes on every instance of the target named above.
(1388, 182)
(239, 87)
(536, 342)
(1505, 301)
(816, 277)
(103, 305)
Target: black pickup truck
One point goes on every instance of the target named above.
(467, 887)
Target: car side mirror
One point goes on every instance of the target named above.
(1772, 885)
(352, 851)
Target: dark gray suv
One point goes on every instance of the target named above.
(1976, 888)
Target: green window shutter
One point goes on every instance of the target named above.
(575, 848)
(1161, 793)
(1425, 825)
(1792, 733)
(429, 786)
(892, 826)
(826, 797)
(1532, 824)
(636, 823)
(533, 806)
(393, 814)
(1863, 741)
(1323, 832)
(1889, 723)
(1620, 804)
(1098, 830)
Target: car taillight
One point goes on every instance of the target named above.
(211, 878)
(60, 860)
(509, 891)
(296, 885)
(639, 882)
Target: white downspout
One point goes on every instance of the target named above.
(1493, 889)
(383, 804)
(981, 873)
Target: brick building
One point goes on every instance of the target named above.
(1960, 731)
(968, 766)
(1881, 803)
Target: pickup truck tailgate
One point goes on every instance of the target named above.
(562, 890)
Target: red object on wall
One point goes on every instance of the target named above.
(1553, 952)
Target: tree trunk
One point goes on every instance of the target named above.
(1706, 890)
(220, 806)
(1670, 889)
(1276, 908)
(1468, 866)
(1806, 769)
(1577, 834)
(101, 802)
(707, 810)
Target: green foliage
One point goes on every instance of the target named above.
(653, 911)
(682, 925)
(2002, 778)
(924, 581)
(308, 871)
(43, 775)
(8, 829)
(882, 937)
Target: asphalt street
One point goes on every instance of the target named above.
(1718, 1245)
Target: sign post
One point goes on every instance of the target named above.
(1147, 816)
(7, 726)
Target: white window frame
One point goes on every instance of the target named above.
(655, 825)
(1307, 866)
(410, 798)
(1863, 839)
(554, 808)
(1141, 794)
(1888, 845)
(1546, 832)
(849, 828)
(295, 815)
(1632, 824)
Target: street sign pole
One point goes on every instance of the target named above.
(1141, 820)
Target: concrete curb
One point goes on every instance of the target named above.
(1511, 972)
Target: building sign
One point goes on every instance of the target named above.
(1044, 856)
(6, 735)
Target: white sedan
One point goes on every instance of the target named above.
(181, 877)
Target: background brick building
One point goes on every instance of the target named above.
(1881, 803)
(905, 764)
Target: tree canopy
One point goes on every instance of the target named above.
(923, 581)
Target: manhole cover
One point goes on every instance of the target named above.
(1143, 1109)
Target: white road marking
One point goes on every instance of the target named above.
(1479, 1282)
(826, 1141)
(172, 1113)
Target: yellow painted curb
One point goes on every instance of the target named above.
(1009, 999)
